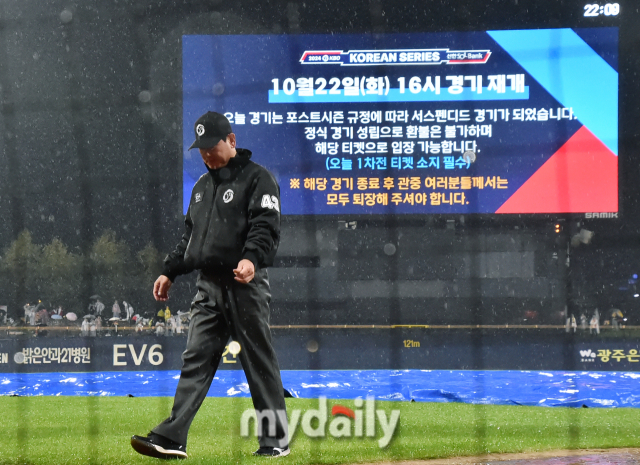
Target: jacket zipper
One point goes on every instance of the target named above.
(213, 204)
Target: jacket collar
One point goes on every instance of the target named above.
(231, 169)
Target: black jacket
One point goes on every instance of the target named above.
(234, 213)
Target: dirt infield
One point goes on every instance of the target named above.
(554, 457)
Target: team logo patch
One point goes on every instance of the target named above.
(198, 197)
(228, 196)
(200, 129)
(270, 202)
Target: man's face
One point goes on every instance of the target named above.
(219, 155)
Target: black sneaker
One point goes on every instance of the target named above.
(272, 452)
(158, 446)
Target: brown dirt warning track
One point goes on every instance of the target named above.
(555, 457)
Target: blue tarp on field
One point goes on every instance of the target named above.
(540, 388)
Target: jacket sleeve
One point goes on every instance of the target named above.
(174, 264)
(263, 237)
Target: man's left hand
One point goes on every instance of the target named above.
(245, 271)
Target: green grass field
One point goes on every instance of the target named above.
(74, 430)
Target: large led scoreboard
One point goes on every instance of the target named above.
(495, 121)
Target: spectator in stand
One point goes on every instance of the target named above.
(84, 328)
(594, 325)
(178, 323)
(99, 306)
(29, 314)
(173, 325)
(583, 322)
(128, 310)
(116, 310)
(616, 317)
(159, 328)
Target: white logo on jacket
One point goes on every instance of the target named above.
(270, 202)
(198, 197)
(228, 196)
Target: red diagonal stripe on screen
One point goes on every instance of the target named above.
(582, 176)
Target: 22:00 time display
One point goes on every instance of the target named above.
(609, 9)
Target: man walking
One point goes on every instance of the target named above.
(232, 234)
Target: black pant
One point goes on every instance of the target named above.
(225, 308)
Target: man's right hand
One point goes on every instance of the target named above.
(161, 288)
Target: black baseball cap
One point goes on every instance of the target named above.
(210, 129)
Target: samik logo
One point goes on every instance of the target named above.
(601, 215)
(342, 423)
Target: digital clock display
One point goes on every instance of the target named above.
(608, 9)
